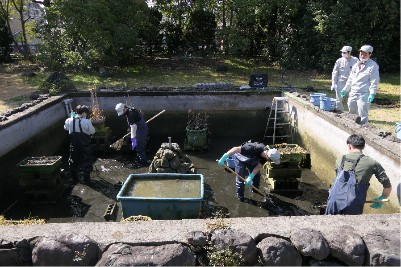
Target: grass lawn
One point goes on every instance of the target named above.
(181, 72)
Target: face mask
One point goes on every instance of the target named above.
(363, 59)
(345, 55)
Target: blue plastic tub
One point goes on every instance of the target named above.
(327, 103)
(315, 98)
(398, 130)
(174, 207)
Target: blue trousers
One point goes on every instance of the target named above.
(243, 169)
(141, 138)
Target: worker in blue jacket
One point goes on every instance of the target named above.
(139, 130)
(249, 158)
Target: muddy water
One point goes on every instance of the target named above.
(81, 202)
(165, 188)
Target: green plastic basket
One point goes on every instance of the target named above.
(45, 164)
(285, 156)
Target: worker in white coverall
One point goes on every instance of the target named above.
(342, 69)
(362, 84)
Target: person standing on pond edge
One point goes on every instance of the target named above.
(139, 130)
(364, 168)
(250, 157)
(342, 69)
(362, 84)
(80, 130)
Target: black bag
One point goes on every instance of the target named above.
(346, 195)
(258, 80)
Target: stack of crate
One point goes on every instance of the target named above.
(101, 139)
(41, 179)
(284, 177)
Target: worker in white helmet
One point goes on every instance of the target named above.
(139, 130)
(362, 84)
(249, 157)
(342, 69)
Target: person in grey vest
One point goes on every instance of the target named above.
(249, 158)
(362, 84)
(80, 130)
(139, 130)
(342, 69)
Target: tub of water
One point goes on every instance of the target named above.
(162, 196)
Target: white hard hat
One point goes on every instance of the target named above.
(366, 48)
(274, 155)
(120, 109)
(346, 49)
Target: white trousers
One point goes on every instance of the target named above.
(358, 104)
(339, 98)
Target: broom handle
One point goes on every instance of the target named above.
(243, 179)
(157, 115)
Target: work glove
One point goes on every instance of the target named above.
(377, 205)
(343, 93)
(333, 87)
(371, 98)
(222, 160)
(249, 179)
(133, 143)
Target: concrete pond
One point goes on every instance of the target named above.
(234, 117)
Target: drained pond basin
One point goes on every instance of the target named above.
(83, 203)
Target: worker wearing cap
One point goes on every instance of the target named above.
(139, 130)
(80, 130)
(250, 157)
(362, 84)
(342, 69)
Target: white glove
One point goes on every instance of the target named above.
(333, 87)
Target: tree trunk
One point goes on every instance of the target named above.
(20, 10)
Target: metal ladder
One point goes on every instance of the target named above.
(281, 119)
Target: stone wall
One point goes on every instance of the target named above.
(292, 241)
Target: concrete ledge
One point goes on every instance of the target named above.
(323, 131)
(168, 231)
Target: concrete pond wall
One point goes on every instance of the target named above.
(287, 241)
(302, 240)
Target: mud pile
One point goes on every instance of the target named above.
(171, 159)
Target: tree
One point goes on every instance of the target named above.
(21, 8)
(90, 34)
(201, 30)
(5, 40)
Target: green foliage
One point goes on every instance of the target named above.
(297, 34)
(201, 30)
(49, 88)
(5, 41)
(224, 257)
(56, 89)
(89, 34)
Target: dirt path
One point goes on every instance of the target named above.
(12, 86)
